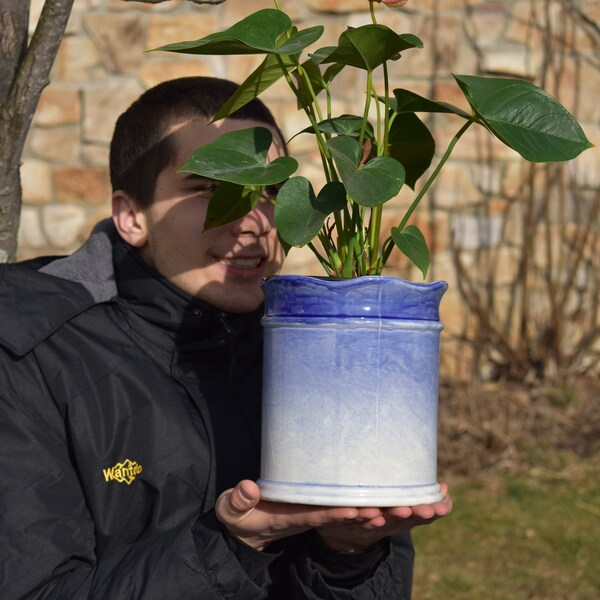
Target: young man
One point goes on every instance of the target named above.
(130, 384)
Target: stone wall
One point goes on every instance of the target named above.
(102, 66)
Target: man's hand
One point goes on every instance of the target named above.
(358, 535)
(258, 523)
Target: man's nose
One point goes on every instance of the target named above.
(258, 222)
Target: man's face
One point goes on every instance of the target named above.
(222, 265)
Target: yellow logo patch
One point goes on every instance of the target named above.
(123, 472)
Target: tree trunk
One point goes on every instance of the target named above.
(14, 19)
(24, 73)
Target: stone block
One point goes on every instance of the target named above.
(167, 29)
(118, 38)
(36, 180)
(141, 7)
(337, 6)
(485, 24)
(232, 12)
(62, 224)
(93, 217)
(56, 144)
(76, 59)
(473, 231)
(30, 234)
(454, 187)
(154, 72)
(103, 102)
(512, 60)
(82, 184)
(94, 155)
(58, 105)
(237, 68)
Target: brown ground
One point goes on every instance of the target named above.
(508, 427)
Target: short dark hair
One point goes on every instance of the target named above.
(140, 148)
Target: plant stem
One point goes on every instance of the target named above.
(325, 157)
(363, 128)
(388, 245)
(435, 173)
(372, 11)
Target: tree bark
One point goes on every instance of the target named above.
(30, 68)
(24, 73)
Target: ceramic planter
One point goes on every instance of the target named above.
(350, 391)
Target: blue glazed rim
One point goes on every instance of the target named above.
(374, 297)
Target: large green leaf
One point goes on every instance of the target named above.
(241, 157)
(349, 125)
(525, 118)
(299, 214)
(411, 143)
(263, 31)
(263, 77)
(412, 244)
(405, 101)
(369, 46)
(346, 152)
(375, 182)
(229, 202)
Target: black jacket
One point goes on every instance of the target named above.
(126, 407)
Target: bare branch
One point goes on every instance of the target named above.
(14, 19)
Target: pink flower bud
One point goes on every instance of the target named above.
(394, 3)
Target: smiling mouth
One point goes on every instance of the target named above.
(242, 263)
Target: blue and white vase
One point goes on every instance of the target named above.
(350, 391)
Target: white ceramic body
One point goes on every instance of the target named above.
(350, 402)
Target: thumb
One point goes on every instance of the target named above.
(243, 497)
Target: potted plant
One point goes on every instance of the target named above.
(351, 357)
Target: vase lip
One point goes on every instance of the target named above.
(373, 297)
(356, 281)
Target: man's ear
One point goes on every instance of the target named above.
(129, 220)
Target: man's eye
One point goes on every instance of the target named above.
(207, 189)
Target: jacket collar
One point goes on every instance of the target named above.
(35, 302)
(174, 313)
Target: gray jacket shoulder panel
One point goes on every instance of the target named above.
(35, 303)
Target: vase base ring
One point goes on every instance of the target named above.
(349, 495)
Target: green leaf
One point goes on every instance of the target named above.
(349, 125)
(346, 125)
(300, 40)
(346, 152)
(241, 157)
(263, 77)
(369, 46)
(525, 118)
(411, 143)
(229, 202)
(412, 244)
(299, 214)
(320, 55)
(405, 101)
(264, 31)
(317, 80)
(377, 181)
